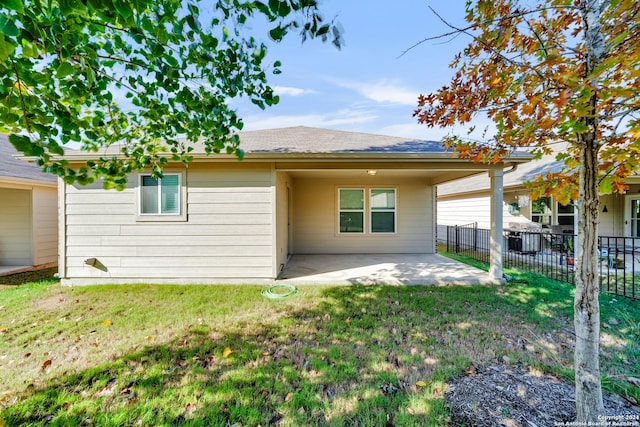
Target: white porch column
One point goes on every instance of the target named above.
(496, 239)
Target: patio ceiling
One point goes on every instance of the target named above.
(434, 176)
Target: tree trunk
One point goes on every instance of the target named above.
(589, 403)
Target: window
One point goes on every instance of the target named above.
(355, 209)
(351, 210)
(541, 210)
(160, 197)
(383, 210)
(565, 214)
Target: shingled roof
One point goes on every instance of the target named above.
(10, 167)
(302, 139)
(524, 173)
(312, 141)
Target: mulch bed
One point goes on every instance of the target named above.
(30, 275)
(504, 395)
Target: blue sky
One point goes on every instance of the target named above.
(367, 86)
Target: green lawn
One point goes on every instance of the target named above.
(155, 355)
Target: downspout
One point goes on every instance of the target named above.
(514, 167)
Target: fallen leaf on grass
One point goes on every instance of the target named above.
(46, 364)
(190, 408)
(421, 384)
(226, 352)
(3, 330)
(107, 322)
(288, 397)
(472, 369)
(107, 389)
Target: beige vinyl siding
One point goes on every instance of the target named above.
(465, 211)
(15, 227)
(45, 225)
(228, 232)
(612, 221)
(315, 218)
(470, 209)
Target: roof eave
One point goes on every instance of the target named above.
(16, 181)
(274, 156)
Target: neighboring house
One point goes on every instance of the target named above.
(28, 212)
(298, 191)
(467, 201)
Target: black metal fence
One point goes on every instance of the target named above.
(552, 255)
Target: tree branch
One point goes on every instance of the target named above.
(465, 30)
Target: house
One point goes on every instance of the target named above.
(299, 190)
(467, 201)
(28, 213)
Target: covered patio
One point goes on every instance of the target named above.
(388, 269)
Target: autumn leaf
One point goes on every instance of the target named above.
(3, 330)
(421, 383)
(226, 352)
(190, 408)
(288, 397)
(107, 322)
(46, 364)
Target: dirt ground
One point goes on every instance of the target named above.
(510, 396)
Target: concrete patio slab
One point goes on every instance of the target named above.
(389, 269)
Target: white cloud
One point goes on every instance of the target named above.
(344, 117)
(292, 91)
(384, 91)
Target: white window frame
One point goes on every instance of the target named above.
(571, 215)
(394, 210)
(541, 215)
(367, 211)
(179, 216)
(363, 210)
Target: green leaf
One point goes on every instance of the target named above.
(277, 33)
(123, 8)
(280, 8)
(14, 5)
(606, 186)
(8, 26)
(30, 50)
(65, 69)
(6, 48)
(23, 144)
